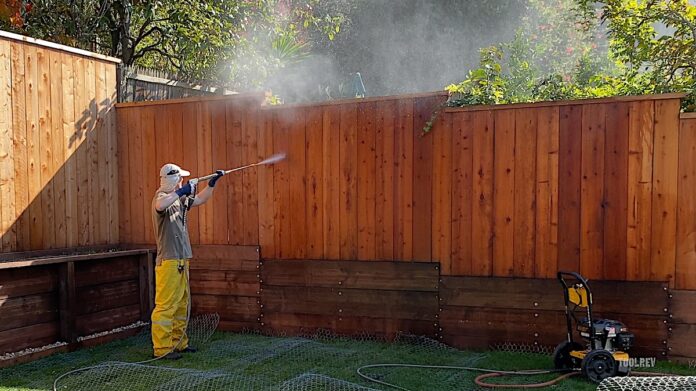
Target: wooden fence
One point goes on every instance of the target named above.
(508, 191)
(57, 146)
(142, 84)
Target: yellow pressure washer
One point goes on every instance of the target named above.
(604, 353)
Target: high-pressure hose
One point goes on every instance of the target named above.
(490, 373)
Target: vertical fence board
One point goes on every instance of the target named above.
(135, 148)
(219, 203)
(403, 180)
(296, 176)
(384, 186)
(331, 141)
(314, 144)
(151, 120)
(19, 152)
(569, 178)
(281, 185)
(482, 193)
(265, 186)
(639, 186)
(686, 216)
(102, 156)
(81, 149)
(235, 182)
(664, 197)
(111, 163)
(251, 208)
(124, 221)
(462, 203)
(504, 193)
(205, 151)
(366, 182)
(70, 141)
(348, 220)
(8, 241)
(616, 192)
(45, 129)
(35, 210)
(422, 179)
(19, 121)
(442, 193)
(547, 193)
(525, 189)
(90, 118)
(592, 191)
(190, 116)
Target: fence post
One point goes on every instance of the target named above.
(146, 276)
(66, 297)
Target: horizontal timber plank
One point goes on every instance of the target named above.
(106, 271)
(300, 300)
(683, 306)
(28, 281)
(299, 324)
(95, 298)
(28, 310)
(224, 264)
(225, 288)
(50, 260)
(236, 308)
(386, 275)
(225, 252)
(648, 298)
(682, 342)
(351, 302)
(248, 277)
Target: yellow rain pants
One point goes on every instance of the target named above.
(171, 306)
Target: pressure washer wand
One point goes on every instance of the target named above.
(270, 160)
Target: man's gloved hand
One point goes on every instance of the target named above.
(218, 175)
(187, 189)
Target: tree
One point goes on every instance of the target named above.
(654, 42)
(560, 53)
(196, 38)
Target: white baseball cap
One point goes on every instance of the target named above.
(170, 169)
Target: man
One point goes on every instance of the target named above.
(169, 207)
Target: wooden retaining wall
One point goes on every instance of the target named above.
(57, 146)
(226, 280)
(64, 297)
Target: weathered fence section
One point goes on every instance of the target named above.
(57, 146)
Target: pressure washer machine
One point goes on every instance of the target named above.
(604, 353)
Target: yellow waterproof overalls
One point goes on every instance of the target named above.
(171, 279)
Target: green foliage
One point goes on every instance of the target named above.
(237, 43)
(560, 53)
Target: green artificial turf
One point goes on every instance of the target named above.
(266, 362)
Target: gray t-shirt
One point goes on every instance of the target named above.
(170, 231)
